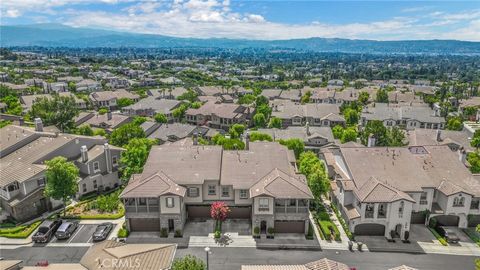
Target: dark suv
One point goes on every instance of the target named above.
(449, 234)
(46, 231)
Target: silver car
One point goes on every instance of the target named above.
(66, 229)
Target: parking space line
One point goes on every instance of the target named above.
(75, 234)
(90, 239)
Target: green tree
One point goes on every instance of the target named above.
(72, 87)
(58, 110)
(296, 145)
(363, 98)
(378, 130)
(179, 112)
(138, 120)
(122, 135)
(454, 123)
(189, 262)
(396, 137)
(261, 100)
(474, 161)
(311, 166)
(61, 178)
(475, 142)
(351, 116)
(103, 111)
(124, 102)
(160, 118)
(85, 130)
(258, 136)
(236, 130)
(190, 95)
(228, 143)
(306, 97)
(196, 105)
(135, 155)
(246, 99)
(337, 131)
(275, 122)
(350, 134)
(259, 120)
(382, 96)
(469, 112)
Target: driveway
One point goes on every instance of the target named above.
(464, 239)
(420, 233)
(203, 228)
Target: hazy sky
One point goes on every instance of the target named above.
(273, 19)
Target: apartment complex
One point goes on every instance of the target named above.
(381, 191)
(23, 154)
(180, 182)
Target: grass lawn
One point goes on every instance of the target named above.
(20, 231)
(328, 229)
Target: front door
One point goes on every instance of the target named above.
(398, 230)
(263, 227)
(171, 225)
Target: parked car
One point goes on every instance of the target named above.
(46, 231)
(449, 234)
(102, 231)
(66, 229)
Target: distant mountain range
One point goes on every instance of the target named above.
(57, 35)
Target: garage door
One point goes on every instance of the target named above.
(198, 212)
(370, 229)
(289, 226)
(417, 218)
(240, 212)
(144, 224)
(447, 220)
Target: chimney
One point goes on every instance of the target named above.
(38, 125)
(108, 157)
(247, 141)
(439, 135)
(21, 121)
(195, 138)
(371, 141)
(84, 153)
(307, 128)
(109, 115)
(462, 155)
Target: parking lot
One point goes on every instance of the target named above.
(83, 234)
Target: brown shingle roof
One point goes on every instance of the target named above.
(279, 184)
(156, 185)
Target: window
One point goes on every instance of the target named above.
(263, 204)
(96, 166)
(243, 194)
(142, 201)
(114, 160)
(400, 209)
(170, 202)
(459, 202)
(225, 192)
(423, 198)
(95, 186)
(84, 187)
(382, 211)
(475, 204)
(212, 189)
(41, 182)
(192, 192)
(369, 211)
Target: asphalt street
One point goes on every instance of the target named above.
(233, 258)
(83, 234)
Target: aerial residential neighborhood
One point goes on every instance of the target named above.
(243, 135)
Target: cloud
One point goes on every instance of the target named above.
(218, 18)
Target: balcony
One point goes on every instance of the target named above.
(4, 194)
(290, 209)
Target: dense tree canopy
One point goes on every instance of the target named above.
(58, 110)
(135, 155)
(122, 135)
(61, 177)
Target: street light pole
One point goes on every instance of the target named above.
(207, 251)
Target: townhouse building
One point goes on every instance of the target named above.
(108, 99)
(23, 152)
(151, 105)
(28, 101)
(219, 115)
(403, 116)
(295, 114)
(261, 185)
(382, 191)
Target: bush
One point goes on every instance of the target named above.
(20, 231)
(164, 232)
(271, 230)
(432, 223)
(343, 223)
(441, 239)
(327, 227)
(309, 235)
(217, 234)
(178, 233)
(122, 233)
(473, 235)
(256, 230)
(106, 203)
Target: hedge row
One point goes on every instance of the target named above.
(327, 227)
(441, 239)
(343, 223)
(20, 231)
(121, 213)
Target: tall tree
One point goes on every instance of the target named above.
(275, 122)
(219, 212)
(135, 155)
(122, 135)
(61, 177)
(382, 96)
(58, 111)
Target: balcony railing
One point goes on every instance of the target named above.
(5, 194)
(423, 202)
(290, 209)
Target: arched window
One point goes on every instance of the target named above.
(400, 209)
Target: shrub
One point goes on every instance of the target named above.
(122, 233)
(20, 231)
(217, 234)
(441, 239)
(343, 223)
(327, 228)
(256, 230)
(432, 223)
(473, 235)
(164, 232)
(309, 235)
(271, 230)
(178, 233)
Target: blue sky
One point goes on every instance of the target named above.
(269, 19)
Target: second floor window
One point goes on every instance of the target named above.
(114, 160)
(474, 204)
(400, 209)
(84, 187)
(459, 201)
(263, 205)
(41, 182)
(423, 198)
(192, 192)
(142, 201)
(243, 194)
(170, 202)
(212, 189)
(225, 192)
(369, 210)
(96, 166)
